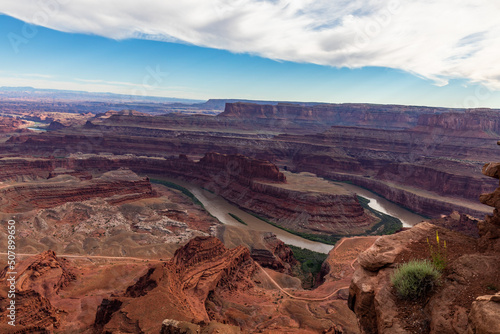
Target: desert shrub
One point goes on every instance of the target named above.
(310, 261)
(414, 279)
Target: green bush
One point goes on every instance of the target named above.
(311, 261)
(415, 279)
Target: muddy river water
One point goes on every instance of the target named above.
(220, 208)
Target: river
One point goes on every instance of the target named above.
(379, 203)
(220, 208)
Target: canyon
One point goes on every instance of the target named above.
(419, 157)
(252, 184)
(108, 242)
(11, 124)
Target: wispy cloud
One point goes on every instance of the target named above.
(438, 40)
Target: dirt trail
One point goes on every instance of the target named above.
(297, 297)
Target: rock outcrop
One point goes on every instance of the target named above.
(489, 228)
(38, 280)
(181, 285)
(463, 303)
(244, 168)
(459, 222)
(275, 254)
(171, 326)
(10, 124)
(484, 314)
(425, 202)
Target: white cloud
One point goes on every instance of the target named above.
(438, 39)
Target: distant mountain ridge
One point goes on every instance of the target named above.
(27, 92)
(171, 103)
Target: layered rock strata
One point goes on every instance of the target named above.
(426, 153)
(275, 254)
(118, 186)
(370, 115)
(9, 124)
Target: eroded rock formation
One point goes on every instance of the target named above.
(370, 115)
(459, 222)
(38, 281)
(10, 124)
(181, 285)
(489, 228)
(275, 254)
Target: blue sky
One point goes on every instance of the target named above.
(131, 59)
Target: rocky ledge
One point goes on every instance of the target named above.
(10, 124)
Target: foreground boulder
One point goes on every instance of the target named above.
(484, 315)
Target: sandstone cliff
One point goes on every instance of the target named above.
(259, 186)
(425, 202)
(9, 124)
(274, 254)
(426, 165)
(433, 150)
(476, 121)
(369, 115)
